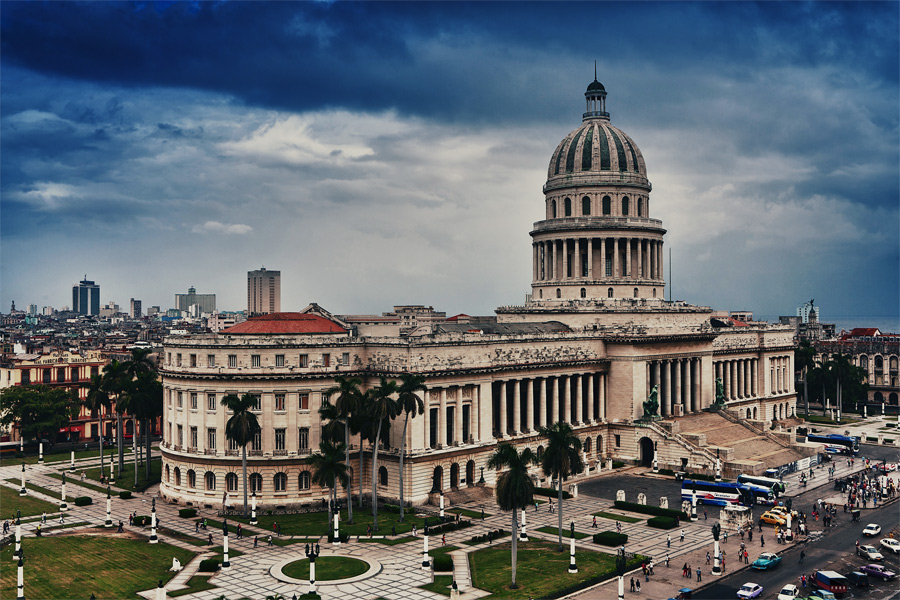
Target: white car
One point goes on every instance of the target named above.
(869, 553)
(750, 590)
(891, 544)
(788, 592)
(872, 529)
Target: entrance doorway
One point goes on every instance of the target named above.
(646, 451)
(437, 480)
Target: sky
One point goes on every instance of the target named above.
(394, 153)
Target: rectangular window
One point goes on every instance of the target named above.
(26, 377)
(168, 359)
(326, 360)
(194, 400)
(326, 399)
(74, 374)
(211, 438)
(257, 401)
(279, 360)
(432, 426)
(466, 415)
(180, 435)
(618, 441)
(304, 401)
(304, 361)
(180, 400)
(232, 361)
(47, 375)
(279, 401)
(233, 445)
(608, 267)
(304, 438)
(279, 439)
(193, 437)
(232, 481)
(254, 360)
(210, 360)
(61, 374)
(345, 359)
(210, 402)
(193, 360)
(178, 359)
(257, 442)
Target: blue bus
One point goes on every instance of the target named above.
(762, 495)
(767, 482)
(835, 443)
(717, 493)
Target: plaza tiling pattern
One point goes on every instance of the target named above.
(401, 573)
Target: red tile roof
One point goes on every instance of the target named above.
(286, 323)
(863, 332)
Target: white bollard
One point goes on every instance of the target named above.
(108, 522)
(41, 452)
(112, 478)
(312, 574)
(62, 494)
(20, 594)
(160, 591)
(72, 462)
(442, 504)
(426, 560)
(253, 520)
(337, 533)
(693, 505)
(573, 568)
(225, 563)
(621, 588)
(523, 534)
(18, 551)
(23, 491)
(717, 565)
(153, 538)
(718, 470)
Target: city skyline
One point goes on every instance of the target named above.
(157, 147)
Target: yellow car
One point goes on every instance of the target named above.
(780, 510)
(772, 518)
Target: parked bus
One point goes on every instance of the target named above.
(717, 493)
(762, 495)
(835, 443)
(775, 485)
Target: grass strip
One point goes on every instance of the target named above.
(468, 513)
(316, 524)
(328, 568)
(566, 532)
(471, 543)
(34, 487)
(440, 585)
(614, 517)
(11, 501)
(387, 541)
(178, 535)
(75, 481)
(197, 583)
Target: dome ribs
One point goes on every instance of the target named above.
(570, 158)
(587, 153)
(620, 151)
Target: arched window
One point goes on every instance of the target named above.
(558, 293)
(210, 478)
(587, 445)
(654, 292)
(192, 478)
(540, 293)
(879, 363)
(599, 444)
(177, 476)
(540, 452)
(168, 475)
(553, 209)
(231, 482)
(748, 413)
(280, 482)
(754, 413)
(255, 482)
(609, 293)
(864, 362)
(568, 207)
(304, 480)
(625, 206)
(635, 292)
(585, 206)
(607, 205)
(583, 293)
(382, 476)
(640, 207)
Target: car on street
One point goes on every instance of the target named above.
(750, 590)
(766, 561)
(869, 553)
(788, 592)
(821, 595)
(781, 510)
(878, 572)
(872, 529)
(772, 518)
(891, 545)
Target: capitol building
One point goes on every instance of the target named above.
(593, 340)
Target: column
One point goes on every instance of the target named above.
(576, 271)
(677, 385)
(542, 414)
(688, 386)
(590, 392)
(567, 399)
(579, 398)
(739, 379)
(567, 264)
(554, 414)
(426, 417)
(529, 404)
(458, 417)
(657, 381)
(747, 378)
(616, 264)
(627, 266)
(517, 407)
(698, 389)
(666, 392)
(602, 384)
(503, 408)
(602, 242)
(639, 272)
(534, 261)
(590, 260)
(442, 419)
(660, 263)
(731, 377)
(755, 369)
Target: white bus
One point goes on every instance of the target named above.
(775, 485)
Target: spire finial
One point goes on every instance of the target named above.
(595, 70)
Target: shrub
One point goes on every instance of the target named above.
(610, 538)
(662, 523)
(209, 565)
(125, 495)
(497, 533)
(667, 471)
(83, 500)
(550, 493)
(187, 513)
(649, 509)
(618, 464)
(443, 562)
(448, 526)
(138, 519)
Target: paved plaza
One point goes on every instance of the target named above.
(397, 572)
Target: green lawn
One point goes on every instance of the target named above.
(37, 488)
(73, 483)
(125, 479)
(197, 583)
(440, 585)
(567, 533)
(474, 515)
(172, 533)
(315, 524)
(388, 541)
(77, 566)
(52, 457)
(622, 518)
(328, 568)
(541, 570)
(11, 501)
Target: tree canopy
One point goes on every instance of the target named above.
(38, 410)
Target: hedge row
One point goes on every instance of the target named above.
(497, 533)
(550, 493)
(662, 523)
(187, 513)
(649, 509)
(209, 565)
(125, 495)
(610, 538)
(442, 562)
(617, 464)
(448, 526)
(83, 500)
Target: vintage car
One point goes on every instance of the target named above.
(890, 544)
(869, 553)
(877, 571)
(788, 592)
(821, 595)
(750, 590)
(872, 529)
(766, 560)
(781, 510)
(773, 518)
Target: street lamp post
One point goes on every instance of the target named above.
(337, 532)
(18, 551)
(620, 569)
(72, 462)
(253, 520)
(153, 538)
(694, 504)
(62, 504)
(108, 509)
(225, 563)
(20, 578)
(23, 491)
(523, 533)
(40, 452)
(573, 568)
(426, 560)
(112, 477)
(312, 552)
(655, 460)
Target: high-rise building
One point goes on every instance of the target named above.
(136, 311)
(86, 297)
(206, 302)
(263, 291)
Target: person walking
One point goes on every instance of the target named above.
(668, 541)
(638, 586)
(443, 539)
(762, 541)
(209, 542)
(631, 587)
(414, 525)
(802, 556)
(667, 560)
(707, 557)
(240, 532)
(684, 570)
(594, 524)
(196, 526)
(699, 575)
(269, 540)
(682, 536)
(255, 541)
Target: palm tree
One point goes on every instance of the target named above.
(137, 366)
(347, 401)
(140, 362)
(96, 399)
(384, 407)
(328, 470)
(804, 361)
(561, 459)
(115, 382)
(241, 428)
(409, 404)
(362, 424)
(146, 404)
(515, 489)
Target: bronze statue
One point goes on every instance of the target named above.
(720, 391)
(716, 530)
(652, 403)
